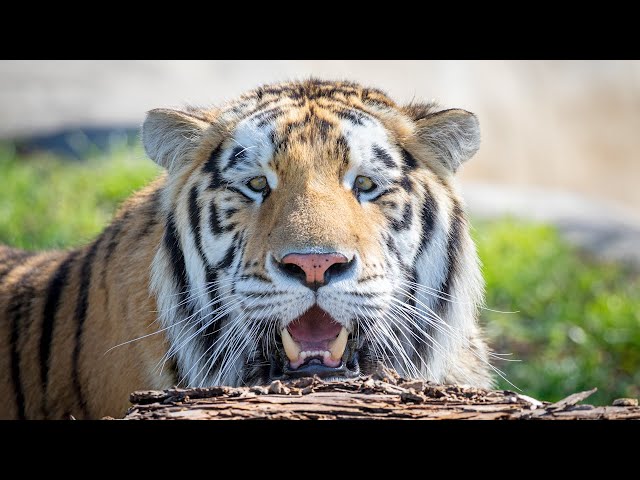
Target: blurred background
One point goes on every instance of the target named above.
(553, 192)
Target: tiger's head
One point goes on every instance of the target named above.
(313, 228)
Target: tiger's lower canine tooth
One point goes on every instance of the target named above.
(291, 348)
(339, 344)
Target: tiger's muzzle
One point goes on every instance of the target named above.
(315, 344)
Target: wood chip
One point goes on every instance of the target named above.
(571, 400)
(278, 388)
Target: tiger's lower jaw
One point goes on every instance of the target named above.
(349, 367)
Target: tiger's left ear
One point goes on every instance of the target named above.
(453, 136)
(169, 136)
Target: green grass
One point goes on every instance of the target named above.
(578, 320)
(46, 202)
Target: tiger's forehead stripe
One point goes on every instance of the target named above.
(345, 93)
(283, 119)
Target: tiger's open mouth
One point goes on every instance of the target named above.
(314, 344)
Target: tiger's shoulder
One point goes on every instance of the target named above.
(61, 311)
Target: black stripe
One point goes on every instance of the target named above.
(292, 125)
(15, 365)
(376, 97)
(236, 190)
(239, 154)
(194, 218)
(381, 154)
(409, 162)
(262, 106)
(339, 102)
(256, 276)
(212, 166)
(229, 213)
(18, 311)
(406, 183)
(150, 211)
(80, 318)
(405, 222)
(144, 231)
(227, 217)
(255, 294)
(342, 151)
(113, 232)
(421, 348)
(54, 292)
(388, 191)
(369, 278)
(323, 128)
(177, 263)
(172, 244)
(114, 237)
(268, 117)
(277, 90)
(389, 204)
(230, 254)
(391, 245)
(214, 223)
(272, 136)
(453, 252)
(351, 115)
(212, 332)
(113, 242)
(355, 293)
(428, 216)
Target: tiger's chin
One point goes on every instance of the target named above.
(315, 344)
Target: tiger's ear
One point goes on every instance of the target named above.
(169, 136)
(453, 136)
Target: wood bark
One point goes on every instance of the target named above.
(383, 395)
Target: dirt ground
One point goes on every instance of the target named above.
(568, 126)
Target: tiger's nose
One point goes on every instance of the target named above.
(314, 269)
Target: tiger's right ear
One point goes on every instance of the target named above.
(169, 136)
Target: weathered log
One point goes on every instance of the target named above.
(383, 395)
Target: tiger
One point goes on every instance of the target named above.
(308, 227)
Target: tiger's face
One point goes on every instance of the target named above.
(312, 228)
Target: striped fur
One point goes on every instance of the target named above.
(183, 283)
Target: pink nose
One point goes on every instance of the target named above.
(314, 265)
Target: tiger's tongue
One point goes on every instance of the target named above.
(314, 330)
(314, 335)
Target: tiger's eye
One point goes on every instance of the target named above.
(258, 184)
(364, 184)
